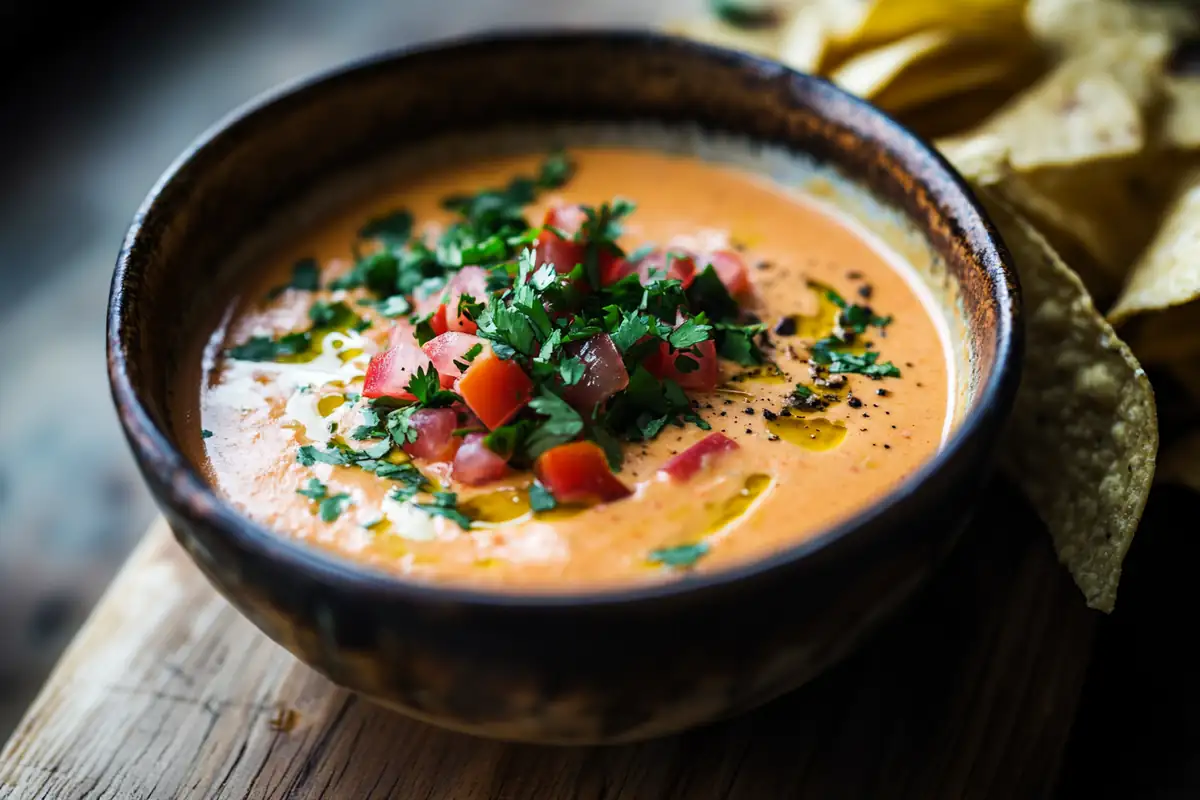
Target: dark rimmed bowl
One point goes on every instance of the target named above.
(610, 666)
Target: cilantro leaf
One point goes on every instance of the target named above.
(306, 277)
(377, 272)
(708, 294)
(399, 426)
(570, 370)
(736, 343)
(540, 498)
(411, 480)
(629, 332)
(445, 504)
(264, 348)
(309, 454)
(313, 490)
(325, 315)
(393, 229)
(690, 332)
(562, 423)
(333, 506)
(205, 433)
(395, 306)
(680, 556)
(426, 386)
(555, 171)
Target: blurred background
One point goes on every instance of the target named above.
(97, 99)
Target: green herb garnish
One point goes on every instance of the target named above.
(681, 556)
(445, 504)
(205, 433)
(540, 498)
(393, 229)
(264, 348)
(306, 276)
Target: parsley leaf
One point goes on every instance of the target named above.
(399, 425)
(393, 229)
(540, 498)
(377, 272)
(306, 276)
(680, 556)
(708, 294)
(555, 171)
(562, 423)
(309, 454)
(445, 504)
(409, 477)
(205, 433)
(736, 343)
(264, 348)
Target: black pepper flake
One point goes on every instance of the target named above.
(749, 430)
(786, 326)
(853, 402)
(865, 414)
(854, 275)
(728, 402)
(882, 392)
(874, 405)
(772, 437)
(893, 427)
(785, 412)
(920, 385)
(769, 415)
(763, 264)
(724, 413)
(887, 447)
(908, 364)
(865, 291)
(748, 410)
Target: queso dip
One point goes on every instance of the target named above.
(571, 371)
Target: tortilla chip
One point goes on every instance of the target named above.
(1079, 26)
(865, 75)
(1180, 126)
(859, 26)
(1168, 272)
(1084, 433)
(1074, 114)
(1167, 338)
(803, 38)
(961, 68)
(1180, 463)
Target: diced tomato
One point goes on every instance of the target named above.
(730, 268)
(684, 465)
(389, 372)
(476, 463)
(675, 265)
(402, 333)
(435, 434)
(438, 321)
(551, 248)
(447, 348)
(470, 282)
(614, 270)
(604, 373)
(578, 472)
(495, 389)
(704, 378)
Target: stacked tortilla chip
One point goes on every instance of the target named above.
(1079, 127)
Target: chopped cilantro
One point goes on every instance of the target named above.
(377, 272)
(540, 498)
(395, 306)
(205, 433)
(555, 171)
(570, 370)
(562, 423)
(853, 317)
(426, 386)
(690, 332)
(824, 352)
(393, 229)
(632, 328)
(309, 454)
(445, 504)
(313, 490)
(264, 348)
(333, 506)
(802, 391)
(708, 294)
(680, 556)
(326, 315)
(399, 425)
(306, 276)
(736, 343)
(411, 480)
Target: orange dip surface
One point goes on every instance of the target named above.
(797, 471)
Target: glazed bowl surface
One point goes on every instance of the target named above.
(602, 666)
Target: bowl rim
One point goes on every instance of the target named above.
(183, 488)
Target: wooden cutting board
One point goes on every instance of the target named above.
(168, 692)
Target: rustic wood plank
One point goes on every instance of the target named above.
(168, 692)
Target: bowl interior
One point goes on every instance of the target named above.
(290, 158)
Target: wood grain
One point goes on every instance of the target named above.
(168, 692)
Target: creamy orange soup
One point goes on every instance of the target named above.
(811, 449)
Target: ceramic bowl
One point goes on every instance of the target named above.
(606, 666)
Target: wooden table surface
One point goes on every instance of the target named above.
(169, 692)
